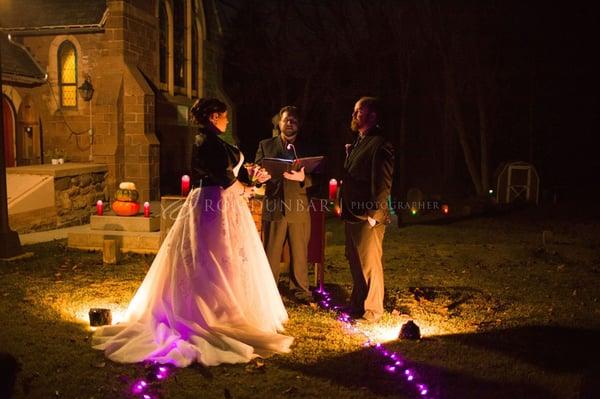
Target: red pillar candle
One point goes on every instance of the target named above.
(99, 208)
(445, 209)
(333, 186)
(185, 185)
(146, 209)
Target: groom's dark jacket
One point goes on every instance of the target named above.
(368, 172)
(283, 196)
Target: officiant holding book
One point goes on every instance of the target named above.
(286, 203)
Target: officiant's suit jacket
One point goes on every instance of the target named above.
(285, 197)
(368, 172)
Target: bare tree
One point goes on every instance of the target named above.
(469, 82)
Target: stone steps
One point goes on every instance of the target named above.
(112, 222)
(136, 234)
(141, 242)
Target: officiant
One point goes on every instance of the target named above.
(286, 213)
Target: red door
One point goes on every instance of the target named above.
(9, 143)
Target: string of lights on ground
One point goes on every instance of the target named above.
(149, 387)
(394, 364)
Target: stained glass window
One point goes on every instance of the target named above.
(67, 74)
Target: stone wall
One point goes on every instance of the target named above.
(37, 220)
(76, 189)
(76, 197)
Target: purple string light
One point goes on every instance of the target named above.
(159, 372)
(395, 364)
(148, 388)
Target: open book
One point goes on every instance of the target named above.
(276, 166)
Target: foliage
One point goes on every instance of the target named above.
(456, 81)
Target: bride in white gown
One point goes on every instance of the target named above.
(209, 295)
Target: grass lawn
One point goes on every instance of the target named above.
(502, 317)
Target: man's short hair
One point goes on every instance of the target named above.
(292, 110)
(374, 105)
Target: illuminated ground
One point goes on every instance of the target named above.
(502, 318)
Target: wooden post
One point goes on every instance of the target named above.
(111, 252)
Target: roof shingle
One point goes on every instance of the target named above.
(17, 64)
(35, 14)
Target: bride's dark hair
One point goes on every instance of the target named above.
(203, 108)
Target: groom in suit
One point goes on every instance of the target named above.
(368, 171)
(286, 204)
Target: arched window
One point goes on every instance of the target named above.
(179, 42)
(195, 56)
(67, 74)
(163, 42)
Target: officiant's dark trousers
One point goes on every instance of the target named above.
(364, 252)
(297, 234)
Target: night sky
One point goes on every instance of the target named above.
(528, 71)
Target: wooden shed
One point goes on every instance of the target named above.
(517, 181)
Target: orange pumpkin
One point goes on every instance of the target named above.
(125, 208)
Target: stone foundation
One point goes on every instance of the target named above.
(37, 220)
(77, 188)
(76, 197)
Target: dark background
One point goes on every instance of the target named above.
(523, 75)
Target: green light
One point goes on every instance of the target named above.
(413, 211)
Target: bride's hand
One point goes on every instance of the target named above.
(263, 176)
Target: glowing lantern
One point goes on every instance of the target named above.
(100, 317)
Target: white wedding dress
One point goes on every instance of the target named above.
(209, 295)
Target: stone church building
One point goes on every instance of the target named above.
(146, 61)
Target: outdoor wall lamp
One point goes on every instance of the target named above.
(86, 90)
